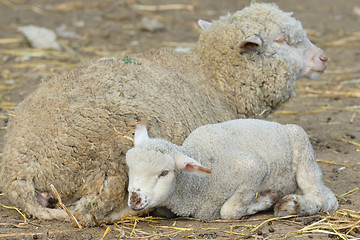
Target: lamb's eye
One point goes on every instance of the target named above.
(163, 173)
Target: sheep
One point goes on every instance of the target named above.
(74, 130)
(253, 164)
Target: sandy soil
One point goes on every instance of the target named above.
(328, 109)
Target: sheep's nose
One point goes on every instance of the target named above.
(323, 58)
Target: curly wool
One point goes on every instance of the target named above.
(253, 84)
(73, 132)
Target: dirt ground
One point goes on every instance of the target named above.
(328, 109)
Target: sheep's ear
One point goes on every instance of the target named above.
(141, 134)
(205, 25)
(188, 164)
(250, 44)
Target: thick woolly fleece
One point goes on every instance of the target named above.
(74, 130)
(253, 84)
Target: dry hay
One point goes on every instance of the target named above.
(343, 224)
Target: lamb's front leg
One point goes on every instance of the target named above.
(242, 204)
(298, 205)
(263, 201)
(316, 196)
(247, 200)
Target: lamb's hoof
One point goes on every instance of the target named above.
(281, 214)
(268, 196)
(288, 205)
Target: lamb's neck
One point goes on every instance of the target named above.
(185, 196)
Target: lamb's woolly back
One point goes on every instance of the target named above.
(258, 137)
(222, 147)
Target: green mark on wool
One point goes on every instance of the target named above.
(129, 61)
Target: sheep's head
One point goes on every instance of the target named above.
(153, 165)
(264, 30)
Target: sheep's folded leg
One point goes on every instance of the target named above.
(101, 203)
(23, 194)
(90, 211)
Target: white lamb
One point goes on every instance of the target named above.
(254, 165)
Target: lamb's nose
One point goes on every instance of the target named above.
(323, 58)
(135, 200)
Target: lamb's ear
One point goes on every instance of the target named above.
(205, 25)
(188, 164)
(141, 134)
(250, 44)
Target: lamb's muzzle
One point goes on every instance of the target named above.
(136, 202)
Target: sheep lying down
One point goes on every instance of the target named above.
(74, 130)
(228, 170)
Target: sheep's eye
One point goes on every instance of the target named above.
(164, 173)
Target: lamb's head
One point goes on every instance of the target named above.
(264, 30)
(153, 166)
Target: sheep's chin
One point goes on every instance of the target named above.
(314, 74)
(311, 74)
